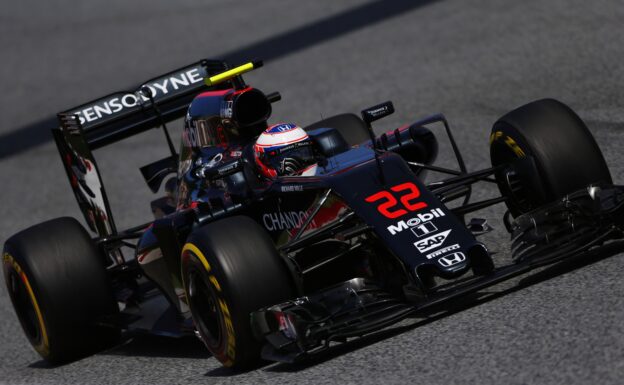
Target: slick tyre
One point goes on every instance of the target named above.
(60, 290)
(350, 126)
(551, 153)
(231, 268)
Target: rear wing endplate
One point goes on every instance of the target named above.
(84, 176)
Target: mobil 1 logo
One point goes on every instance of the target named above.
(424, 229)
(420, 224)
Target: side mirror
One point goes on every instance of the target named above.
(377, 112)
(369, 115)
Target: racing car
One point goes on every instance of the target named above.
(263, 260)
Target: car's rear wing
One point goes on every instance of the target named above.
(118, 116)
(126, 113)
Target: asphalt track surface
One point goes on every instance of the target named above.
(473, 61)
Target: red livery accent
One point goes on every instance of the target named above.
(238, 92)
(214, 93)
(384, 208)
(407, 200)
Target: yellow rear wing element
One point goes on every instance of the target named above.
(234, 72)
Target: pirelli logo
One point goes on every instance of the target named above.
(509, 141)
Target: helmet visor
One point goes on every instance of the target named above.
(291, 159)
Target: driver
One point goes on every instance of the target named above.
(284, 149)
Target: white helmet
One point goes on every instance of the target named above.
(284, 149)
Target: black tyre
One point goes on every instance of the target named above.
(350, 126)
(58, 284)
(231, 268)
(553, 153)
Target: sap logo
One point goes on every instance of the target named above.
(452, 259)
(432, 242)
(412, 222)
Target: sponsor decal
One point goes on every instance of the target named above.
(226, 109)
(432, 242)
(292, 147)
(228, 168)
(416, 221)
(509, 141)
(158, 88)
(443, 251)
(282, 128)
(452, 259)
(284, 220)
(424, 229)
(380, 111)
(287, 325)
(332, 210)
(291, 188)
(495, 136)
(200, 133)
(389, 206)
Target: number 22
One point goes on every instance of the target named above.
(389, 207)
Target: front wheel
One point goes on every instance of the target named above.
(231, 268)
(550, 151)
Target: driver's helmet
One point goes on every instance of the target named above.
(284, 149)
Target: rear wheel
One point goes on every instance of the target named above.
(231, 268)
(551, 153)
(58, 284)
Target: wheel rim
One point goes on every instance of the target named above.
(205, 309)
(517, 195)
(509, 183)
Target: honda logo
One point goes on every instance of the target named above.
(452, 259)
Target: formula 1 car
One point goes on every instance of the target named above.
(281, 268)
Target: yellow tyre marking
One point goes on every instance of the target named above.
(192, 248)
(44, 346)
(495, 135)
(214, 282)
(514, 147)
(225, 311)
(229, 327)
(509, 141)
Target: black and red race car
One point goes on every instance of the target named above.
(280, 268)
